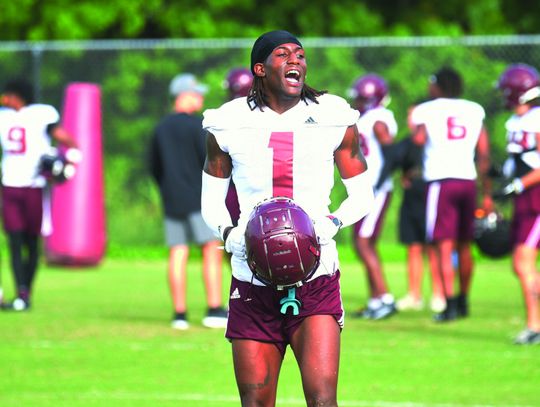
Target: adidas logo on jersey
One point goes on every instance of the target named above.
(310, 120)
(235, 294)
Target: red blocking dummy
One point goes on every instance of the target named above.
(78, 235)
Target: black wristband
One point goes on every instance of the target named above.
(226, 232)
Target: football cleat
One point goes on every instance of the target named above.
(410, 303)
(215, 318)
(437, 304)
(527, 337)
(179, 322)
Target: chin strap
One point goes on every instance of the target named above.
(290, 301)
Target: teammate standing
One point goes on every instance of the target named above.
(237, 84)
(452, 132)
(26, 130)
(377, 128)
(176, 156)
(520, 86)
(412, 228)
(283, 140)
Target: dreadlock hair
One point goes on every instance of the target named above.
(257, 98)
(21, 88)
(449, 82)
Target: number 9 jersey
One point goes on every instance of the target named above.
(24, 139)
(289, 154)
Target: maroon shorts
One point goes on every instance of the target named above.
(526, 219)
(450, 206)
(254, 311)
(22, 209)
(370, 225)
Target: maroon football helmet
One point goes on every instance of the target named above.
(281, 244)
(369, 91)
(519, 84)
(238, 82)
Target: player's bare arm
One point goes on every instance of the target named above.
(382, 133)
(61, 135)
(348, 157)
(419, 136)
(483, 163)
(218, 163)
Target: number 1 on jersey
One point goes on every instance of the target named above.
(282, 146)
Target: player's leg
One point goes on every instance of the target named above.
(178, 258)
(381, 303)
(216, 315)
(465, 265)
(465, 236)
(445, 248)
(524, 264)
(316, 345)
(212, 272)
(177, 239)
(256, 368)
(315, 338)
(31, 242)
(16, 242)
(438, 300)
(413, 298)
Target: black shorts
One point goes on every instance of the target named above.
(412, 214)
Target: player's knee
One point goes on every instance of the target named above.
(322, 401)
(254, 400)
(324, 396)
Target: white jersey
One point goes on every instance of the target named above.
(521, 134)
(453, 128)
(289, 154)
(370, 145)
(24, 139)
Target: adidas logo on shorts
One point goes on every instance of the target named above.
(235, 294)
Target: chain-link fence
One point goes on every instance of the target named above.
(134, 77)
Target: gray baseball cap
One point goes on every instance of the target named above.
(186, 82)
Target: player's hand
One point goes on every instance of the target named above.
(235, 242)
(326, 228)
(513, 188)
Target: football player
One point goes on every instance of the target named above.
(26, 129)
(237, 84)
(377, 128)
(283, 140)
(520, 87)
(412, 229)
(452, 131)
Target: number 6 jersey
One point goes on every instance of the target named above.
(289, 154)
(453, 127)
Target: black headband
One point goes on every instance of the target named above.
(266, 43)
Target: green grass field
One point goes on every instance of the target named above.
(101, 337)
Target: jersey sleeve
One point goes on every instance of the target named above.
(47, 114)
(336, 111)
(531, 123)
(418, 115)
(224, 121)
